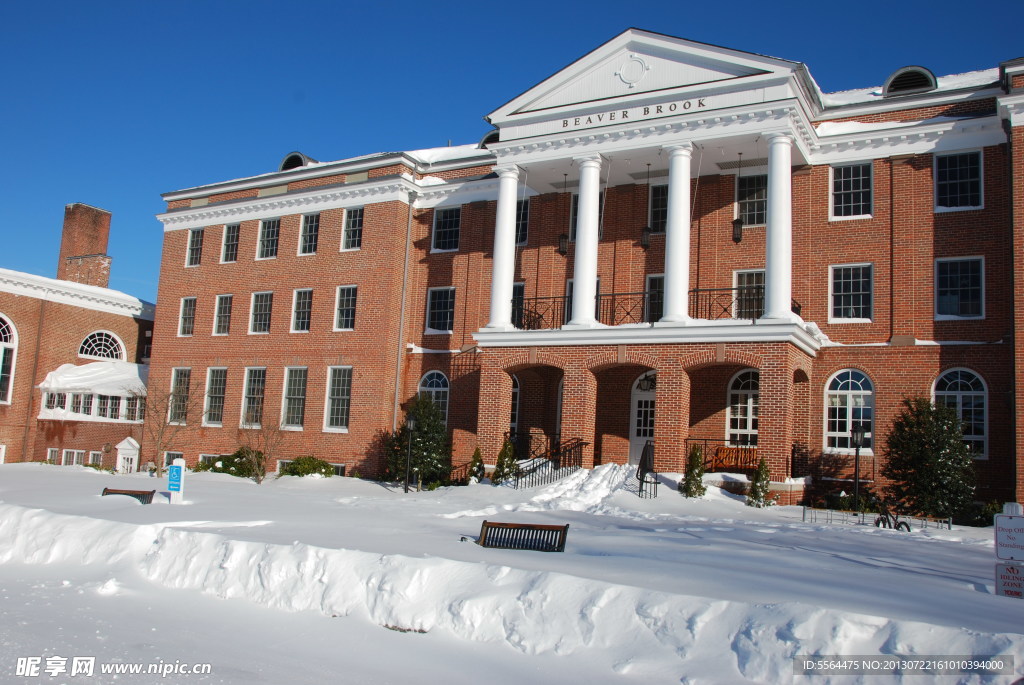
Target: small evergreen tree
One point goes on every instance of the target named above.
(928, 463)
(693, 481)
(759, 487)
(476, 465)
(431, 452)
(505, 469)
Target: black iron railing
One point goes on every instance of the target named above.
(615, 309)
(566, 459)
(527, 445)
(744, 302)
(539, 313)
(646, 474)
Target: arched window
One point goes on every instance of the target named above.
(434, 386)
(964, 392)
(850, 399)
(513, 421)
(744, 392)
(102, 345)
(8, 347)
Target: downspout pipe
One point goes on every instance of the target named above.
(401, 318)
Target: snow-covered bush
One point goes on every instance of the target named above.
(759, 487)
(307, 466)
(692, 484)
(505, 467)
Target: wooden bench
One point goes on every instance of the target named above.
(533, 536)
(144, 496)
(739, 458)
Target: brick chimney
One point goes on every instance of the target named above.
(83, 245)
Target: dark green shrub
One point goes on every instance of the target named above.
(693, 482)
(307, 466)
(476, 465)
(760, 487)
(505, 468)
(431, 455)
(242, 463)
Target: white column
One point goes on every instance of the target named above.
(677, 235)
(778, 275)
(585, 266)
(504, 260)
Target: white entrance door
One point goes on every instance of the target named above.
(641, 423)
(127, 456)
(3, 453)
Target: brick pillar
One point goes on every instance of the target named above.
(775, 422)
(494, 408)
(671, 417)
(83, 246)
(579, 409)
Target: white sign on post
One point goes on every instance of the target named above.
(1010, 580)
(176, 480)
(1009, 537)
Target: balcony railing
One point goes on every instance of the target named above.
(539, 313)
(615, 309)
(745, 302)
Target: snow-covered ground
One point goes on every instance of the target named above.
(299, 581)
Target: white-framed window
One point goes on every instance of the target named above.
(270, 233)
(8, 350)
(851, 290)
(209, 459)
(339, 470)
(81, 403)
(513, 420)
(177, 410)
(518, 304)
(302, 310)
(657, 207)
(56, 400)
(345, 308)
(134, 408)
(744, 396)
(216, 387)
(195, 247)
(281, 463)
(440, 310)
(96, 458)
(574, 212)
(102, 345)
(53, 455)
(849, 399)
(749, 284)
(169, 457)
(222, 317)
(654, 304)
(960, 288)
(293, 408)
(339, 399)
(229, 247)
(187, 317)
(259, 318)
(965, 392)
(522, 221)
(959, 181)
(434, 387)
(752, 199)
(851, 191)
(309, 236)
(252, 400)
(352, 237)
(109, 407)
(72, 457)
(447, 227)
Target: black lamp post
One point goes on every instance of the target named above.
(645, 237)
(857, 434)
(410, 424)
(563, 244)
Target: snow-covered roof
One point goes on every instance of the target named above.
(970, 79)
(76, 294)
(837, 128)
(434, 155)
(102, 378)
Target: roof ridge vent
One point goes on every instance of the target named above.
(908, 80)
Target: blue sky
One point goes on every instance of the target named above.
(112, 103)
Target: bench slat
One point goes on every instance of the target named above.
(528, 536)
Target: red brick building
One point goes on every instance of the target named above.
(664, 242)
(73, 356)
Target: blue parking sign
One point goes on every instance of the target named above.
(174, 478)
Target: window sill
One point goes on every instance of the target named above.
(292, 429)
(234, 261)
(328, 429)
(294, 331)
(953, 317)
(212, 425)
(264, 259)
(850, 451)
(844, 321)
(218, 335)
(350, 249)
(434, 331)
(341, 330)
(259, 332)
(435, 250)
(855, 217)
(947, 210)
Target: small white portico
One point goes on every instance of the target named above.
(648, 106)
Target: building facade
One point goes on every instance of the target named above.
(73, 356)
(665, 243)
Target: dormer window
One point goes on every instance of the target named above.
(909, 80)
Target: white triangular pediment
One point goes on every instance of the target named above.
(636, 64)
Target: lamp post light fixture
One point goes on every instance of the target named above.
(737, 223)
(563, 244)
(645, 237)
(410, 424)
(857, 434)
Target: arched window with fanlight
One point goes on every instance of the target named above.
(102, 345)
(8, 350)
(744, 394)
(434, 386)
(849, 399)
(964, 392)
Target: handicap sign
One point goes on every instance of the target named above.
(174, 478)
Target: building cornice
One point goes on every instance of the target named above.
(428, 192)
(905, 102)
(804, 336)
(1011, 108)
(74, 294)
